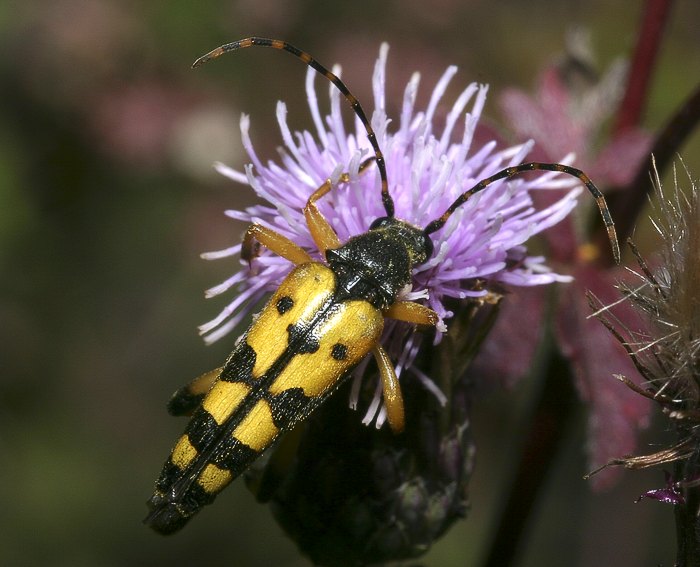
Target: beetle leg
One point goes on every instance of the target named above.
(322, 232)
(412, 312)
(258, 235)
(188, 398)
(393, 400)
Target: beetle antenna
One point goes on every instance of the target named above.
(509, 172)
(387, 201)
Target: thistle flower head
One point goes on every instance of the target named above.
(668, 296)
(676, 311)
(428, 167)
(668, 354)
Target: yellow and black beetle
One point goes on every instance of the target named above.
(319, 324)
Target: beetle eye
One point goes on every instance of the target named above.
(378, 223)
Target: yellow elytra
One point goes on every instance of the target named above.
(319, 324)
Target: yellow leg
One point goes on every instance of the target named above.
(393, 401)
(409, 312)
(257, 235)
(412, 312)
(321, 231)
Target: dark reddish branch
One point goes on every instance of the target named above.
(553, 412)
(625, 205)
(655, 16)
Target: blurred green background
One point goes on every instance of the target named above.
(107, 198)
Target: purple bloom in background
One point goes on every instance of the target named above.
(428, 166)
(564, 114)
(568, 109)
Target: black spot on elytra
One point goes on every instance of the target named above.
(339, 351)
(284, 304)
(239, 366)
(289, 406)
(201, 430)
(301, 341)
(234, 456)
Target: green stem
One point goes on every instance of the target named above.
(553, 411)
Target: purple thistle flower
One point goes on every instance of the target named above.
(481, 245)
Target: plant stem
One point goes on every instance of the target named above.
(625, 205)
(553, 411)
(687, 514)
(655, 16)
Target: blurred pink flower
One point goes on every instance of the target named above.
(565, 116)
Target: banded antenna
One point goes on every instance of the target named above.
(509, 172)
(387, 200)
(281, 45)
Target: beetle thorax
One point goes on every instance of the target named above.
(377, 264)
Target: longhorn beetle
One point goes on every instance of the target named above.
(319, 324)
